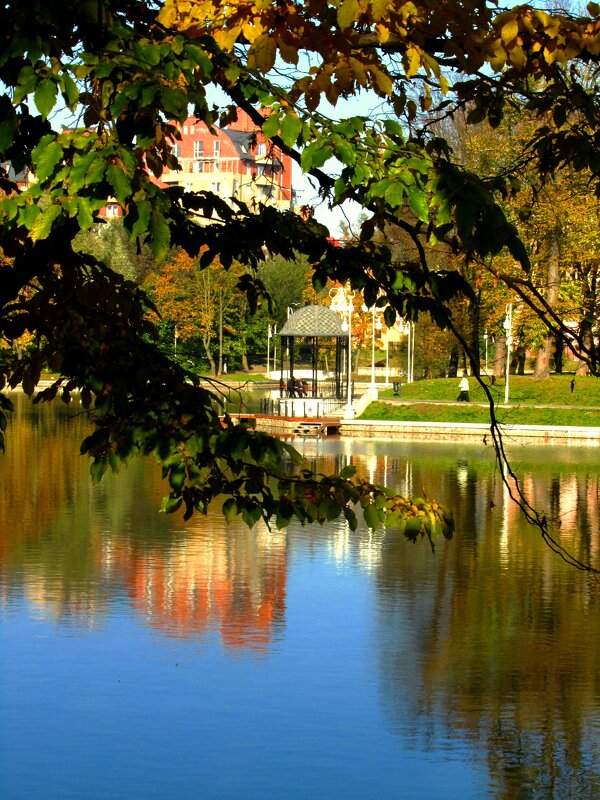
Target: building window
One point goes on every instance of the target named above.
(112, 210)
(175, 150)
(216, 186)
(217, 150)
(261, 149)
(198, 149)
(185, 130)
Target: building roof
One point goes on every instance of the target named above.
(242, 141)
(319, 321)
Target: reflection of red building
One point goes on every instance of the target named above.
(230, 582)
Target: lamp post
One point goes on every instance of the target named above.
(269, 334)
(485, 339)
(175, 344)
(373, 322)
(508, 331)
(342, 302)
(408, 328)
(379, 327)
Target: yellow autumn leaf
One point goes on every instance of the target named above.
(517, 57)
(593, 45)
(379, 8)
(573, 48)
(347, 13)
(509, 31)
(383, 32)
(288, 52)
(382, 81)
(412, 61)
(262, 53)
(358, 71)
(252, 30)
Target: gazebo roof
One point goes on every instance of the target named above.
(319, 321)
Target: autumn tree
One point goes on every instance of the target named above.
(126, 69)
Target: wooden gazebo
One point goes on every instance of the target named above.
(309, 325)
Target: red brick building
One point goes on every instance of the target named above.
(237, 162)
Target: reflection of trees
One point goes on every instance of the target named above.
(73, 549)
(498, 640)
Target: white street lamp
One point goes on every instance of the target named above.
(485, 339)
(342, 302)
(379, 327)
(508, 331)
(372, 310)
(408, 328)
(269, 334)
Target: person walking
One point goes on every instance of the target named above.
(463, 386)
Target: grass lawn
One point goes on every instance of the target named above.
(556, 390)
(430, 412)
(524, 393)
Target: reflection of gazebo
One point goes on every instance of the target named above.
(310, 324)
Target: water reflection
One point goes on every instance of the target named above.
(491, 643)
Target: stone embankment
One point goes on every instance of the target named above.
(439, 431)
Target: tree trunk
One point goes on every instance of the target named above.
(542, 363)
(500, 357)
(220, 368)
(209, 355)
(586, 326)
(453, 362)
(520, 355)
(559, 353)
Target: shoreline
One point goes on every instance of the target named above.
(437, 431)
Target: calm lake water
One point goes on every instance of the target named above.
(142, 657)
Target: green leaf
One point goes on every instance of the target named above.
(45, 157)
(230, 509)
(84, 213)
(177, 477)
(138, 217)
(314, 156)
(418, 202)
(350, 518)
(43, 223)
(97, 470)
(160, 235)
(371, 516)
(28, 214)
(200, 58)
(120, 183)
(291, 127)
(170, 504)
(45, 96)
(395, 193)
(8, 129)
(26, 83)
(270, 126)
(70, 90)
